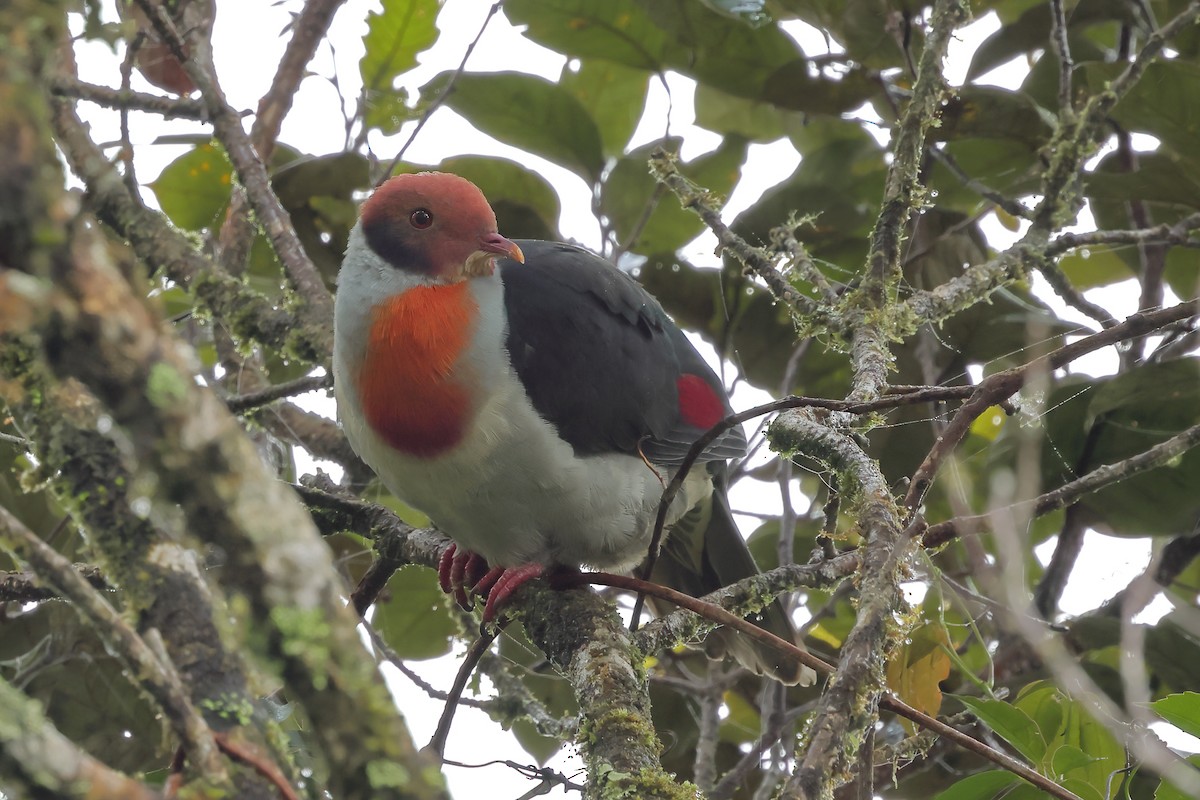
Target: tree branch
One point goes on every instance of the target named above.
(1003, 385)
(38, 761)
(318, 303)
(157, 677)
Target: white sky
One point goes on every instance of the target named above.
(247, 48)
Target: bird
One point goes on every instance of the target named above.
(532, 399)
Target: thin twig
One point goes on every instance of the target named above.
(260, 763)
(251, 400)
(1071, 492)
(157, 676)
(1062, 49)
(166, 107)
(723, 617)
(1177, 234)
(251, 172)
(1007, 383)
(1010, 206)
(474, 653)
(754, 260)
(441, 98)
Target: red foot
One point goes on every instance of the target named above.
(461, 573)
(509, 582)
(454, 571)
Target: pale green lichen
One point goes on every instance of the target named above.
(387, 774)
(166, 387)
(234, 708)
(306, 635)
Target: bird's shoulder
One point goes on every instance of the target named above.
(602, 361)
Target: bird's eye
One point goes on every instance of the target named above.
(421, 218)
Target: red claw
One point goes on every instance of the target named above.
(509, 582)
(462, 573)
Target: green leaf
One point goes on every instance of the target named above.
(1167, 791)
(986, 112)
(1011, 724)
(318, 193)
(917, 668)
(415, 621)
(1068, 758)
(393, 39)
(980, 786)
(649, 219)
(1181, 710)
(526, 205)
(760, 63)
(1076, 729)
(1031, 30)
(1090, 267)
(1164, 103)
(528, 112)
(1104, 421)
(613, 94)
(194, 189)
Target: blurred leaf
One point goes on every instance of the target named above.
(1172, 651)
(986, 112)
(393, 39)
(980, 786)
(743, 724)
(613, 94)
(318, 193)
(1011, 724)
(551, 689)
(1103, 421)
(868, 29)
(989, 423)
(1164, 103)
(414, 620)
(1031, 30)
(1167, 791)
(542, 748)
(647, 218)
(1090, 267)
(759, 63)
(1182, 273)
(756, 120)
(917, 668)
(528, 112)
(56, 659)
(194, 189)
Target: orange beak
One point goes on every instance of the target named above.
(495, 243)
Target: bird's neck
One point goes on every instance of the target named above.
(412, 395)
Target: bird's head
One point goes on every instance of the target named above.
(435, 224)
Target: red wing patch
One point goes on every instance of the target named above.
(409, 394)
(699, 404)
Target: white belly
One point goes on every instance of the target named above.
(515, 493)
(511, 489)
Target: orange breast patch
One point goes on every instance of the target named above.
(409, 394)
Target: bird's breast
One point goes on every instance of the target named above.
(410, 382)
